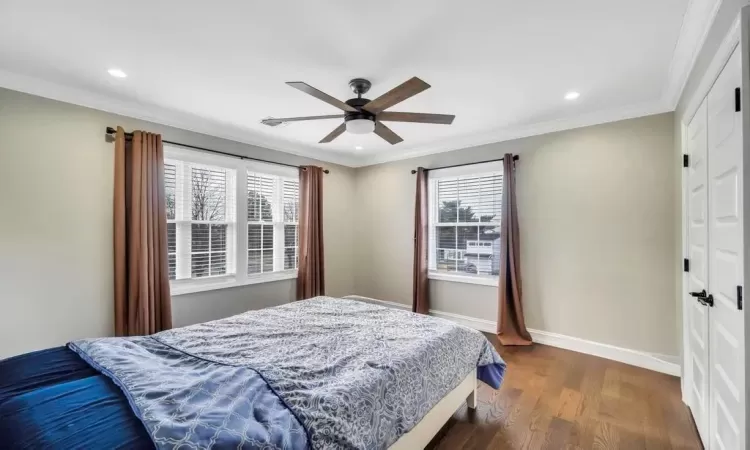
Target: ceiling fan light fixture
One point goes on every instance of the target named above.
(362, 115)
(360, 126)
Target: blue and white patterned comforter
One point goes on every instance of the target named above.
(354, 374)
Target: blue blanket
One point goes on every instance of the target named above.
(354, 375)
(52, 399)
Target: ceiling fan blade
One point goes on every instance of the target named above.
(334, 134)
(273, 121)
(397, 95)
(320, 95)
(443, 119)
(387, 134)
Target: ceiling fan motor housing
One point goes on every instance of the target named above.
(361, 113)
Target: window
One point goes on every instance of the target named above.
(272, 204)
(209, 220)
(290, 199)
(229, 221)
(464, 232)
(260, 223)
(170, 186)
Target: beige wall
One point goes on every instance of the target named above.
(56, 226)
(597, 217)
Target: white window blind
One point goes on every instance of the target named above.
(260, 224)
(201, 219)
(465, 213)
(208, 241)
(272, 204)
(290, 199)
(170, 191)
(211, 216)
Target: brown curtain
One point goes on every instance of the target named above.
(142, 301)
(511, 328)
(421, 300)
(311, 272)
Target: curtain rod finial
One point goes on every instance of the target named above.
(326, 171)
(110, 130)
(413, 172)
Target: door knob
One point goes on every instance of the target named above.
(707, 300)
(704, 298)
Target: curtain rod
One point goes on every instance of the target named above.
(515, 158)
(111, 130)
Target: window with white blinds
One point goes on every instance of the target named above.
(229, 221)
(290, 201)
(272, 204)
(465, 212)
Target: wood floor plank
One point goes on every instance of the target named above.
(558, 399)
(570, 402)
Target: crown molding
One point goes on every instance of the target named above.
(720, 59)
(507, 134)
(164, 116)
(697, 21)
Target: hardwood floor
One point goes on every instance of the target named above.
(558, 399)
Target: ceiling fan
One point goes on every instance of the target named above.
(362, 115)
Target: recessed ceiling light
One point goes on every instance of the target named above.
(359, 147)
(572, 95)
(117, 73)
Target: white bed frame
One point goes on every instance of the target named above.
(433, 421)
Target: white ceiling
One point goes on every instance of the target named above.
(501, 66)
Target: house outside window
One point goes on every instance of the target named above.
(464, 229)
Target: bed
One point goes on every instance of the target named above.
(322, 373)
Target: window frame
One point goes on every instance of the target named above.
(237, 229)
(433, 177)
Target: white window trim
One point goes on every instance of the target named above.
(433, 177)
(240, 277)
(183, 287)
(482, 280)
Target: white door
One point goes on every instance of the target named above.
(697, 313)
(725, 261)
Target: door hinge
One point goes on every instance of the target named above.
(685, 160)
(739, 297)
(686, 265)
(737, 100)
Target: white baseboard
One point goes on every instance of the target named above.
(653, 361)
(488, 326)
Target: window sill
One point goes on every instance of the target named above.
(192, 286)
(469, 279)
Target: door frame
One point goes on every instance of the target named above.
(730, 43)
(739, 31)
(686, 377)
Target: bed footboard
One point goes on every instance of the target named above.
(433, 421)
